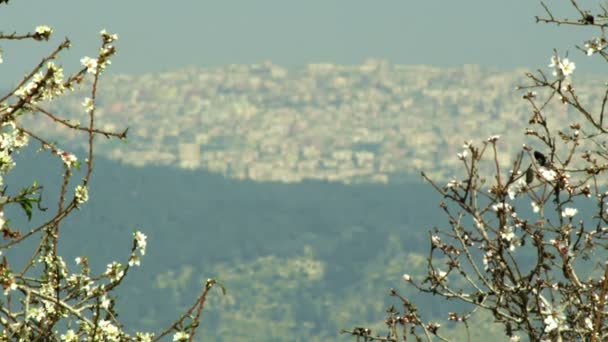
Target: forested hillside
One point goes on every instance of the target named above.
(302, 260)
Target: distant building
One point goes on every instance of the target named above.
(189, 155)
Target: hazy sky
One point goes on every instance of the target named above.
(161, 35)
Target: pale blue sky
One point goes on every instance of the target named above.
(161, 35)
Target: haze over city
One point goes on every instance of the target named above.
(163, 35)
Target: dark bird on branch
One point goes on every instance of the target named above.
(529, 175)
(540, 158)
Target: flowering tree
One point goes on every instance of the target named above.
(539, 271)
(47, 300)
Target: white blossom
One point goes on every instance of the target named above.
(108, 37)
(36, 313)
(115, 271)
(134, 260)
(516, 188)
(28, 89)
(561, 67)
(548, 174)
(535, 207)
(81, 194)
(554, 320)
(569, 212)
(68, 159)
(550, 323)
(567, 67)
(508, 234)
(453, 183)
(110, 330)
(20, 139)
(502, 207)
(589, 323)
(88, 104)
(69, 336)
(105, 302)
(6, 162)
(181, 336)
(144, 337)
(12, 286)
(440, 275)
(595, 45)
(493, 138)
(50, 86)
(5, 141)
(43, 29)
(478, 223)
(435, 240)
(90, 63)
(140, 240)
(487, 257)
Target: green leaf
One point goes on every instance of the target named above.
(27, 207)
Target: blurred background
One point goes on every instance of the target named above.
(161, 35)
(277, 145)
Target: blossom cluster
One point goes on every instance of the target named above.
(595, 45)
(562, 67)
(535, 272)
(499, 231)
(103, 60)
(12, 139)
(81, 194)
(69, 159)
(43, 86)
(43, 32)
(140, 246)
(55, 294)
